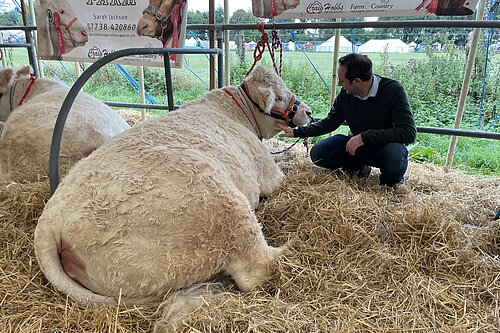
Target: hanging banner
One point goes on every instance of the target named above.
(87, 30)
(309, 9)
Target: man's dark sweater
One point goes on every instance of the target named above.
(384, 118)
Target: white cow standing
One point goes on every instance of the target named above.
(170, 202)
(27, 132)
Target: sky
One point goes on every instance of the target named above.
(202, 5)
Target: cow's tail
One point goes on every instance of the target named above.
(47, 253)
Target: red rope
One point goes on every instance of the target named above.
(273, 7)
(56, 18)
(277, 46)
(239, 105)
(174, 18)
(32, 79)
(261, 47)
(433, 6)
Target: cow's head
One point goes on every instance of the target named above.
(64, 29)
(290, 4)
(156, 19)
(268, 91)
(8, 78)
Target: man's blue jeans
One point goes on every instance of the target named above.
(391, 158)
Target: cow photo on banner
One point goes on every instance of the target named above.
(87, 30)
(308, 9)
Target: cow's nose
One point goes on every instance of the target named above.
(141, 26)
(84, 37)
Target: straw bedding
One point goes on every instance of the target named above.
(424, 257)
(133, 117)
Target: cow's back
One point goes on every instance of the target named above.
(178, 181)
(25, 144)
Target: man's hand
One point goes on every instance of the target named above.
(288, 131)
(354, 143)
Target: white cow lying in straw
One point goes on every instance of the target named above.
(30, 107)
(170, 202)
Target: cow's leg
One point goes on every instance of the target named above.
(271, 174)
(254, 264)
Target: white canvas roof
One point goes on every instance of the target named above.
(191, 42)
(329, 45)
(384, 45)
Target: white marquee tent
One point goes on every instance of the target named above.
(384, 45)
(329, 45)
(191, 42)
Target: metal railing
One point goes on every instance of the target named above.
(351, 25)
(223, 27)
(29, 45)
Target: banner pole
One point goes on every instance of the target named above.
(3, 51)
(77, 70)
(211, 34)
(334, 65)
(31, 6)
(29, 39)
(465, 85)
(142, 91)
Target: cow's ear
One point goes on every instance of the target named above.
(26, 70)
(7, 76)
(266, 99)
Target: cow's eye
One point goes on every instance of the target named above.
(1, 95)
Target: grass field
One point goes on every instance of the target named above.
(323, 61)
(199, 64)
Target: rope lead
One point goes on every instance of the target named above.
(260, 48)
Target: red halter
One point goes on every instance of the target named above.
(275, 113)
(32, 79)
(56, 20)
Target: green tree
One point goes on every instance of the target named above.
(219, 14)
(197, 17)
(242, 16)
(10, 18)
(451, 36)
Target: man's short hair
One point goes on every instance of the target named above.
(357, 66)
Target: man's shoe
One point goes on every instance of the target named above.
(364, 172)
